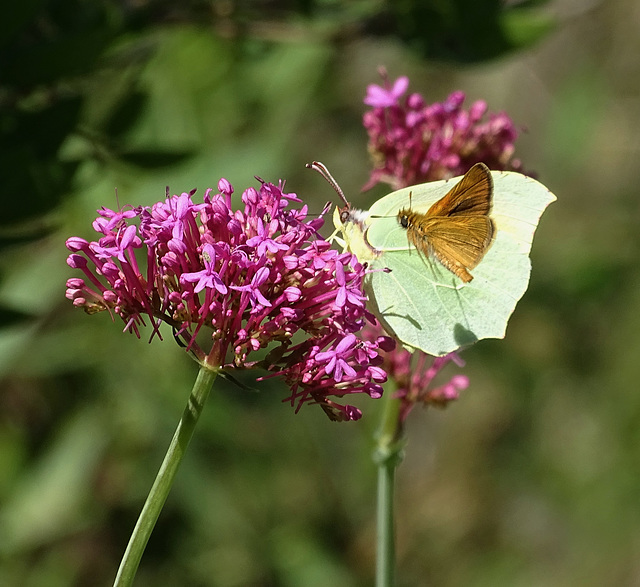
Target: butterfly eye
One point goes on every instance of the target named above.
(404, 221)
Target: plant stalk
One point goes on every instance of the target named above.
(164, 480)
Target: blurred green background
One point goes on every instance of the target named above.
(532, 478)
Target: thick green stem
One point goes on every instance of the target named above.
(388, 455)
(385, 557)
(164, 480)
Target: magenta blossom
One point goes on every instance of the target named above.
(379, 97)
(414, 142)
(261, 278)
(413, 374)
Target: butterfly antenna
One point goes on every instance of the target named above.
(324, 172)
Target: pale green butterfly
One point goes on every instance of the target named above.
(416, 298)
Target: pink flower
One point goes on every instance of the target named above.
(414, 142)
(414, 373)
(379, 97)
(254, 278)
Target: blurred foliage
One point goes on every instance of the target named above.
(467, 30)
(531, 478)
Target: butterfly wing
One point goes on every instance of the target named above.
(458, 242)
(420, 305)
(471, 196)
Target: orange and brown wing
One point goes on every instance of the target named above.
(471, 196)
(459, 243)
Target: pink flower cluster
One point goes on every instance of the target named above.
(414, 142)
(413, 374)
(256, 279)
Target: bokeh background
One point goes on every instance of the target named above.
(531, 479)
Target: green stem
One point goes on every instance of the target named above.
(388, 455)
(164, 480)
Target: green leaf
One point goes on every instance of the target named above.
(524, 27)
(155, 159)
(465, 31)
(45, 504)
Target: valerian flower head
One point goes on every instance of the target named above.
(413, 142)
(413, 375)
(257, 278)
(415, 383)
